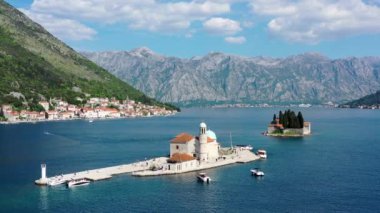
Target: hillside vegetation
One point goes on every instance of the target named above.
(34, 65)
(369, 100)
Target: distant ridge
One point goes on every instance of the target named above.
(35, 65)
(222, 78)
(369, 100)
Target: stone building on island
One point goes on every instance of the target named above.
(276, 128)
(188, 152)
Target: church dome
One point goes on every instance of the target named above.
(203, 125)
(211, 134)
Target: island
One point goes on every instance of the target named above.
(188, 153)
(288, 124)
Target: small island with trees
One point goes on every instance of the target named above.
(288, 124)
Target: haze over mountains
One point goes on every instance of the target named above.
(219, 78)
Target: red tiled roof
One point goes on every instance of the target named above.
(108, 109)
(182, 138)
(180, 157)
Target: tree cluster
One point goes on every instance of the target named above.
(289, 119)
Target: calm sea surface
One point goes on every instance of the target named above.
(335, 169)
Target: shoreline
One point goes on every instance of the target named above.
(73, 119)
(286, 136)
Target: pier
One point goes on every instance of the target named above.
(101, 173)
(144, 168)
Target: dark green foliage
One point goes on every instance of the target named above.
(289, 119)
(281, 117)
(36, 107)
(369, 100)
(25, 67)
(300, 118)
(274, 119)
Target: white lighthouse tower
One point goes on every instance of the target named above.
(202, 142)
(43, 171)
(43, 180)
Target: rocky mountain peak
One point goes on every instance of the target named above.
(142, 52)
(219, 77)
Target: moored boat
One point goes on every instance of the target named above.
(257, 172)
(262, 153)
(78, 182)
(244, 147)
(203, 178)
(56, 181)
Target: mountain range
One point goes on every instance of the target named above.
(223, 78)
(34, 66)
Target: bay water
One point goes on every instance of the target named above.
(337, 168)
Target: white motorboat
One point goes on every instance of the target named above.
(204, 178)
(262, 153)
(78, 182)
(56, 181)
(90, 121)
(256, 172)
(244, 147)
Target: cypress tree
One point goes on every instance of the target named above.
(300, 119)
(274, 119)
(281, 116)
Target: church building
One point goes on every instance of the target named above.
(197, 149)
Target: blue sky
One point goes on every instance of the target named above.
(186, 28)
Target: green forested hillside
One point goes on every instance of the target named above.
(38, 65)
(369, 100)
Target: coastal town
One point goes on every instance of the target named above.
(94, 108)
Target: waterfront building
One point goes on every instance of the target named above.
(306, 128)
(187, 152)
(183, 143)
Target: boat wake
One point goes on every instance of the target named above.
(47, 133)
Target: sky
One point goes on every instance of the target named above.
(187, 28)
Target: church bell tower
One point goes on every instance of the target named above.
(202, 142)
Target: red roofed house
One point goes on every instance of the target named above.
(275, 126)
(182, 143)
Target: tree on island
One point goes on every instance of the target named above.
(274, 119)
(300, 118)
(289, 119)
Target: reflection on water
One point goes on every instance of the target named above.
(44, 200)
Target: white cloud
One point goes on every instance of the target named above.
(235, 40)
(152, 15)
(313, 21)
(61, 27)
(222, 26)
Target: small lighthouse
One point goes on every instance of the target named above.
(43, 180)
(43, 171)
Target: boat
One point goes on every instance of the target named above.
(244, 147)
(77, 182)
(203, 178)
(55, 182)
(262, 153)
(90, 121)
(256, 172)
